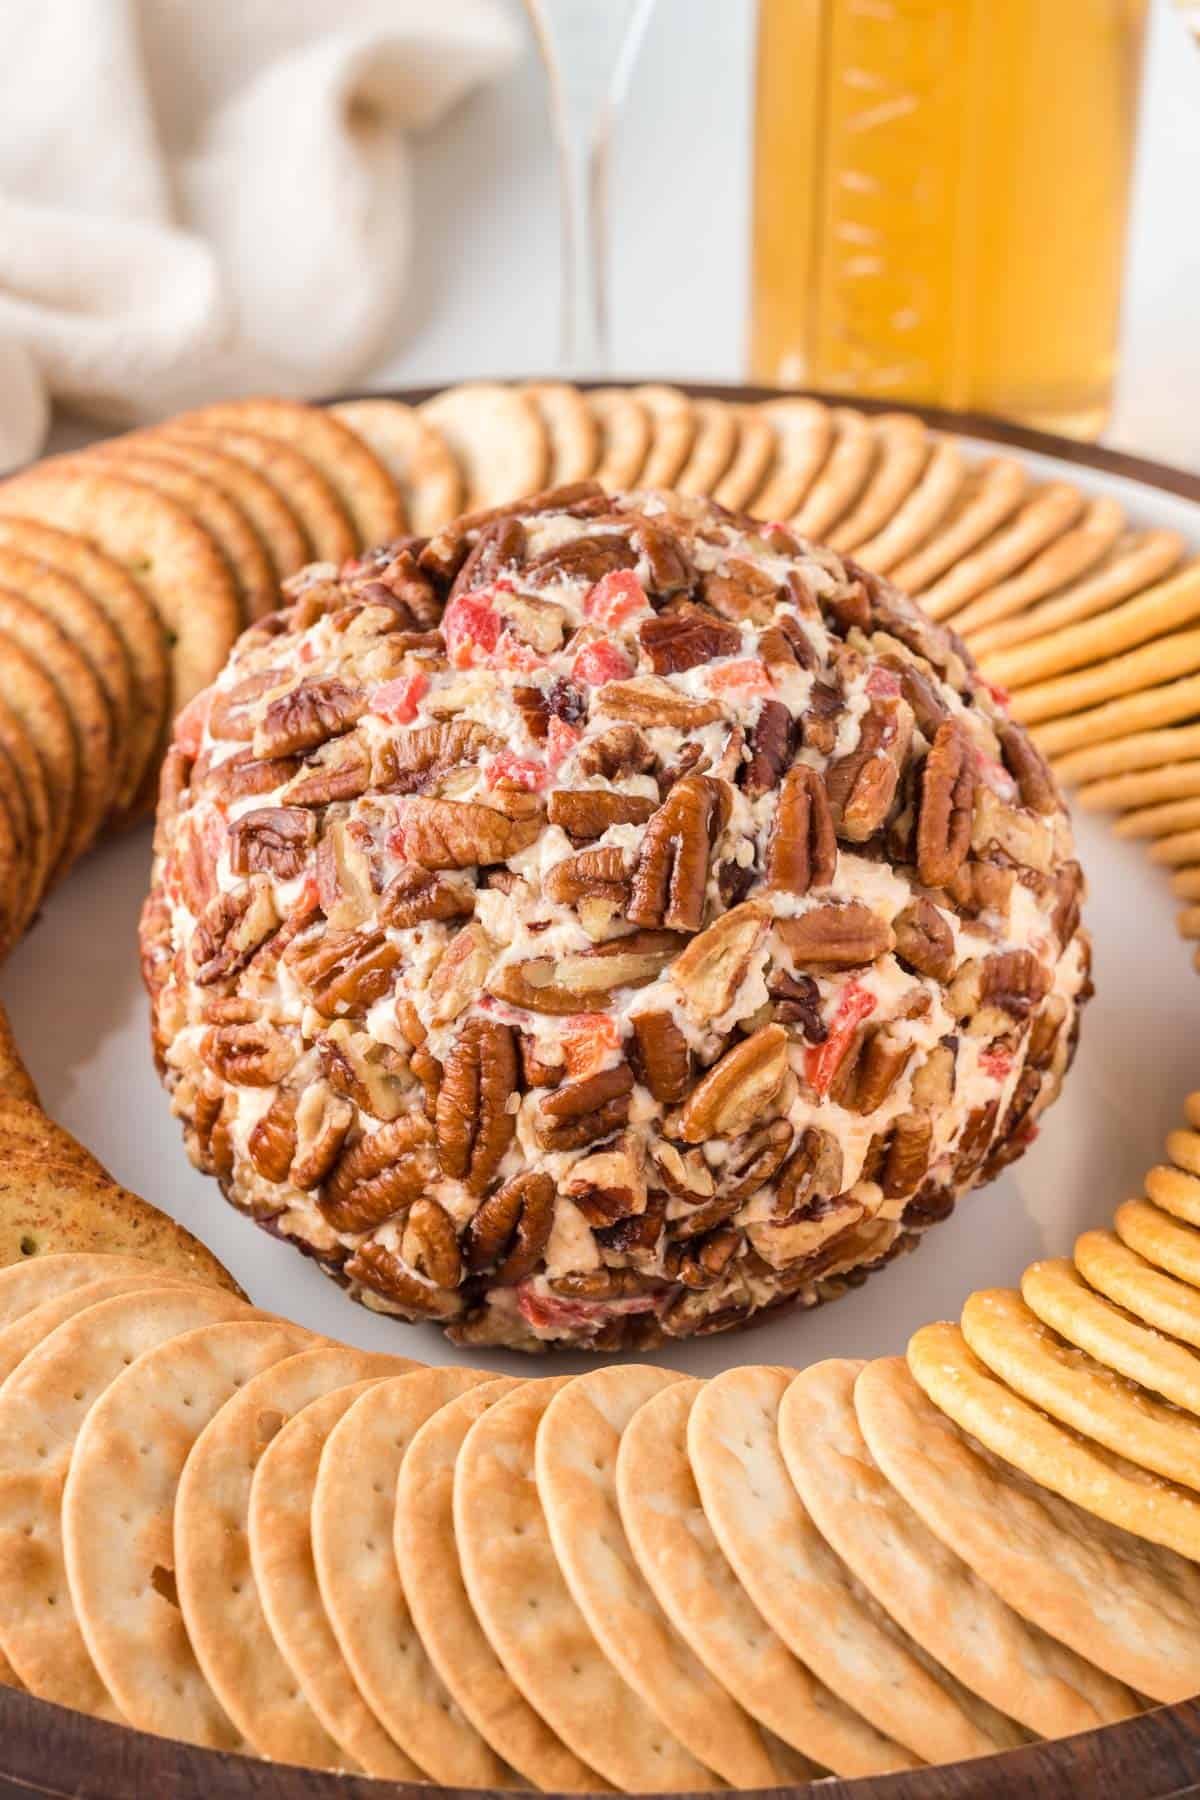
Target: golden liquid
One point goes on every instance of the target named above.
(941, 191)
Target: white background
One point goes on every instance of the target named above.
(484, 295)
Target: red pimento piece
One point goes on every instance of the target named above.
(544, 1311)
(616, 597)
(883, 684)
(601, 662)
(996, 1062)
(517, 771)
(588, 1040)
(191, 721)
(561, 739)
(748, 676)
(471, 629)
(821, 1063)
(511, 653)
(999, 694)
(398, 700)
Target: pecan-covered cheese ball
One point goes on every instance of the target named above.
(604, 921)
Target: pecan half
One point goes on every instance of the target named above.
(230, 929)
(929, 709)
(309, 715)
(231, 713)
(711, 968)
(685, 638)
(771, 744)
(588, 812)
(1046, 1032)
(1069, 889)
(973, 1142)
(875, 1060)
(1029, 769)
(756, 1159)
(414, 896)
(671, 875)
(410, 761)
(582, 559)
(802, 853)
(946, 807)
(430, 1244)
(1022, 836)
(924, 940)
(581, 1112)
(661, 1056)
(457, 834)
(475, 1118)
(252, 1055)
(980, 887)
(739, 1089)
(380, 1175)
(584, 980)
(271, 1144)
(744, 592)
(344, 971)
(510, 1231)
(595, 874)
(907, 1157)
(383, 1272)
(650, 700)
(671, 571)
(499, 545)
(274, 839)
(862, 784)
(820, 718)
(1015, 981)
(840, 935)
(340, 770)
(604, 1284)
(701, 1263)
(323, 1120)
(621, 750)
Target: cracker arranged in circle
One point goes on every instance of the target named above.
(213, 1573)
(222, 518)
(118, 1513)
(922, 511)
(158, 542)
(1146, 787)
(1159, 821)
(625, 431)
(1123, 1604)
(672, 432)
(22, 622)
(360, 1577)
(497, 437)
(929, 1591)
(1143, 750)
(415, 455)
(27, 1132)
(1176, 654)
(35, 699)
(13, 902)
(274, 523)
(525, 1606)
(312, 499)
(16, 1083)
(26, 1286)
(713, 446)
(457, 1646)
(134, 618)
(281, 1499)
(1136, 561)
(576, 1464)
(902, 449)
(803, 433)
(1045, 516)
(1101, 1482)
(1071, 1386)
(43, 1406)
(1162, 1240)
(22, 1337)
(696, 1587)
(990, 494)
(806, 1593)
(1179, 848)
(1062, 1299)
(751, 459)
(843, 477)
(21, 752)
(355, 473)
(571, 429)
(1064, 558)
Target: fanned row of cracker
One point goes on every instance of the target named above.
(220, 1528)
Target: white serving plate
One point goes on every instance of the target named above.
(80, 1016)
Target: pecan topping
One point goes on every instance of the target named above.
(340, 770)
(757, 1159)
(272, 1141)
(535, 711)
(671, 876)
(475, 1118)
(597, 874)
(380, 1175)
(796, 1000)
(582, 559)
(384, 1273)
(803, 848)
(272, 838)
(414, 895)
(309, 715)
(1015, 981)
(946, 809)
(650, 700)
(619, 751)
(231, 714)
(242, 775)
(661, 1056)
(252, 1055)
(604, 1284)
(701, 1263)
(588, 812)
(670, 570)
(874, 1063)
(1069, 884)
(499, 546)
(771, 744)
(344, 971)
(929, 709)
(1023, 837)
(365, 1071)
(430, 1244)
(907, 1157)
(460, 972)
(739, 1089)
(586, 980)
(1029, 769)
(419, 758)
(744, 593)
(685, 638)
(323, 1121)
(511, 1229)
(819, 721)
(842, 935)
(924, 940)
(581, 1112)
(813, 1173)
(457, 834)
(1045, 1033)
(608, 1185)
(980, 887)
(230, 929)
(711, 968)
(862, 784)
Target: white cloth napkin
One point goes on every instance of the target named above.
(208, 197)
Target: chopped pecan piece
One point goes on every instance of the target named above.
(875, 1060)
(924, 940)
(271, 1144)
(744, 593)
(929, 709)
(582, 1112)
(671, 571)
(340, 770)
(536, 1072)
(756, 1159)
(604, 1284)
(1023, 837)
(1046, 1032)
(460, 972)
(582, 559)
(231, 713)
(344, 971)
(701, 1262)
(408, 590)
(253, 1055)
(309, 715)
(383, 1272)
(500, 545)
(973, 1142)
(1029, 769)
(796, 1000)
(671, 875)
(535, 710)
(414, 896)
(686, 638)
(323, 1121)
(411, 761)
(739, 1089)
(934, 1082)
(621, 750)
(380, 1175)
(661, 1056)
(429, 1245)
(371, 1074)
(862, 784)
(510, 1231)
(457, 834)
(849, 607)
(1069, 886)
(907, 1157)
(771, 745)
(608, 1185)
(820, 719)
(980, 887)
(588, 812)
(599, 874)
(345, 877)
(813, 1173)
(1015, 981)
(711, 968)
(946, 807)
(475, 1116)
(230, 930)
(840, 935)
(802, 853)
(274, 839)
(242, 775)
(650, 700)
(585, 980)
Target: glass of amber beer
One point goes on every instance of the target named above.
(941, 192)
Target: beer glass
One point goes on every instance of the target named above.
(940, 198)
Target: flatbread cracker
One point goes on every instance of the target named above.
(990, 494)
(571, 428)
(1163, 821)
(16, 1083)
(496, 434)
(576, 1464)
(118, 1512)
(13, 901)
(42, 1407)
(352, 469)
(26, 1131)
(159, 543)
(698, 1590)
(29, 1285)
(1125, 1605)
(713, 447)
(672, 432)
(453, 1638)
(1064, 558)
(1161, 1239)
(625, 432)
(274, 523)
(1146, 787)
(20, 749)
(22, 1337)
(803, 433)
(1122, 755)
(416, 456)
(1049, 513)
(1178, 850)
(281, 1552)
(1071, 1386)
(213, 1572)
(751, 460)
(1057, 1293)
(1135, 562)
(1101, 1482)
(806, 1593)
(133, 617)
(525, 1607)
(920, 513)
(843, 477)
(34, 697)
(902, 448)
(929, 1591)
(1178, 654)
(353, 1517)
(1183, 1148)
(313, 500)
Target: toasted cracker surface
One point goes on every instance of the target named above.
(1062, 1300)
(327, 527)
(498, 438)
(416, 455)
(570, 427)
